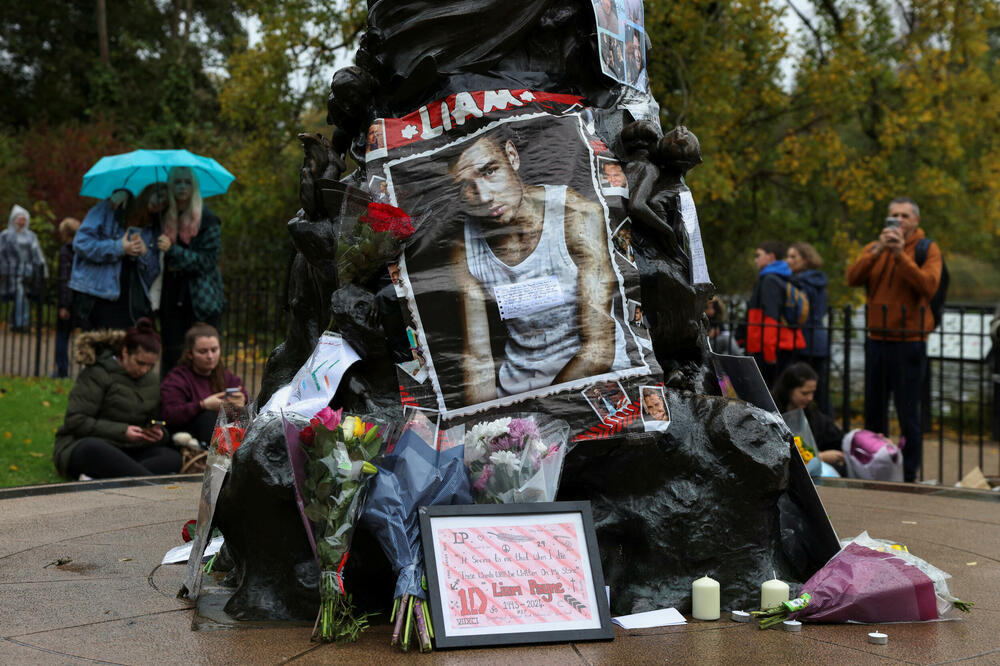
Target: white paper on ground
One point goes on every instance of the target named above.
(180, 554)
(658, 618)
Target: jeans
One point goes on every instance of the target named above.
(897, 368)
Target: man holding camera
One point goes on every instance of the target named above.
(899, 319)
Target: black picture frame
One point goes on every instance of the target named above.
(518, 527)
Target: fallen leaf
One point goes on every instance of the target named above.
(27, 440)
(124, 559)
(46, 403)
(171, 487)
(8, 434)
(36, 454)
(971, 564)
(14, 468)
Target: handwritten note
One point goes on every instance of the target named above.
(699, 267)
(511, 573)
(524, 298)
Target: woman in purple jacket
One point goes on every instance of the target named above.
(196, 389)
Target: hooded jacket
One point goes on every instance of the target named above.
(899, 291)
(105, 399)
(20, 253)
(766, 332)
(813, 283)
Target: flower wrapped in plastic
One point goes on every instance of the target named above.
(370, 243)
(514, 460)
(422, 468)
(869, 580)
(331, 461)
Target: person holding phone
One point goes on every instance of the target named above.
(199, 385)
(899, 319)
(115, 260)
(110, 429)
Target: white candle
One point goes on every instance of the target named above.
(705, 599)
(772, 593)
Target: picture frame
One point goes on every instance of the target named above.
(511, 574)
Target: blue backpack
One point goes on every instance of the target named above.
(937, 300)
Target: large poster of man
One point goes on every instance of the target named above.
(510, 278)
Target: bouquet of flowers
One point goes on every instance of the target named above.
(514, 460)
(331, 460)
(869, 580)
(420, 469)
(371, 243)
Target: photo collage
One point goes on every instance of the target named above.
(622, 41)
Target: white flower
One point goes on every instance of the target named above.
(505, 458)
(538, 446)
(477, 439)
(475, 450)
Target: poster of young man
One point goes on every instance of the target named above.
(510, 279)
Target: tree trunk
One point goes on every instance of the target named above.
(102, 32)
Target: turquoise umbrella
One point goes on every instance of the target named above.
(134, 171)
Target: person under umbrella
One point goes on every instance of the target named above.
(192, 284)
(22, 266)
(116, 260)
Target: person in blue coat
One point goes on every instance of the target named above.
(805, 263)
(116, 260)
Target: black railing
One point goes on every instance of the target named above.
(960, 401)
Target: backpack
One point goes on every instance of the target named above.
(937, 300)
(795, 309)
(871, 456)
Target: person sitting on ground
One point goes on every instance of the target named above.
(196, 388)
(109, 430)
(795, 388)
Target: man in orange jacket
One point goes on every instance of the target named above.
(899, 319)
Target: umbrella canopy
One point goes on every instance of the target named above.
(134, 171)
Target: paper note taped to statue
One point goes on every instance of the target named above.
(317, 380)
(520, 286)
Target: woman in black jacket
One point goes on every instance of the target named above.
(795, 389)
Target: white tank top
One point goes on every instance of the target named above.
(537, 300)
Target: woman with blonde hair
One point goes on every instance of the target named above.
(805, 263)
(192, 284)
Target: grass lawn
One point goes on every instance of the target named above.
(31, 409)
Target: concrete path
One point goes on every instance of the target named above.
(111, 602)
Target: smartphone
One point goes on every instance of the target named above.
(232, 391)
(134, 231)
(892, 222)
(155, 422)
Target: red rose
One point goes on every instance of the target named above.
(384, 217)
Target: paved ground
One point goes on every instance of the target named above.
(113, 603)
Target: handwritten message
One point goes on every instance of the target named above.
(514, 576)
(524, 298)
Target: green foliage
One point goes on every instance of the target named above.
(31, 410)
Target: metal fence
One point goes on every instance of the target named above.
(961, 405)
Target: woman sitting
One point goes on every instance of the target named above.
(196, 389)
(795, 389)
(110, 429)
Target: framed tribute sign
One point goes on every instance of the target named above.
(504, 574)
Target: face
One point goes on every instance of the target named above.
(182, 187)
(615, 175)
(795, 260)
(606, 6)
(488, 182)
(803, 395)
(158, 200)
(205, 354)
(761, 258)
(138, 362)
(394, 273)
(20, 221)
(653, 404)
(908, 218)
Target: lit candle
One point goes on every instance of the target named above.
(772, 593)
(705, 599)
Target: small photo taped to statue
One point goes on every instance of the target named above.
(655, 415)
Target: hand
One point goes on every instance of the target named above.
(155, 433)
(64, 313)
(163, 243)
(832, 457)
(237, 399)
(133, 246)
(137, 434)
(213, 403)
(891, 238)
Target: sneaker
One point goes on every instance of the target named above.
(84, 477)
